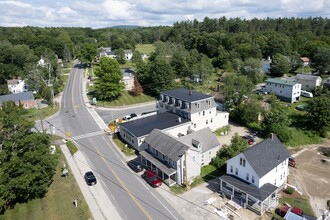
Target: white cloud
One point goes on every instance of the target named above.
(105, 13)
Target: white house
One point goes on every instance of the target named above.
(254, 176)
(308, 82)
(199, 108)
(16, 85)
(42, 62)
(128, 54)
(178, 160)
(286, 90)
(128, 78)
(305, 61)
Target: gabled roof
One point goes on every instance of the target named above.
(13, 81)
(305, 59)
(288, 82)
(143, 126)
(22, 96)
(186, 95)
(204, 136)
(166, 144)
(266, 155)
(307, 77)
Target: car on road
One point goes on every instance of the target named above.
(151, 178)
(90, 178)
(133, 115)
(135, 165)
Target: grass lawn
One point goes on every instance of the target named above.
(128, 151)
(305, 69)
(35, 114)
(299, 202)
(302, 137)
(58, 202)
(145, 48)
(127, 99)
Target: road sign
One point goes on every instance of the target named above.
(68, 134)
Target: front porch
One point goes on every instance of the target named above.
(248, 195)
(168, 175)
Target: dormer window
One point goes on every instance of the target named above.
(167, 99)
(161, 97)
(187, 105)
(179, 103)
(242, 162)
(173, 101)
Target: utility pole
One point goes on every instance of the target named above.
(50, 86)
(41, 122)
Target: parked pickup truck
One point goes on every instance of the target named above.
(292, 162)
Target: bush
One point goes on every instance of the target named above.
(328, 203)
(289, 190)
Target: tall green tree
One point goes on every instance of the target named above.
(252, 68)
(278, 121)
(321, 60)
(238, 145)
(26, 165)
(280, 65)
(108, 85)
(120, 56)
(87, 52)
(236, 89)
(318, 114)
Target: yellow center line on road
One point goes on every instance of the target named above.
(125, 188)
(72, 92)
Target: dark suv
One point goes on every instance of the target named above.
(135, 165)
(90, 178)
(151, 178)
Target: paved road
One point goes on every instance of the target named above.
(131, 196)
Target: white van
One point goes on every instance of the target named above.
(306, 94)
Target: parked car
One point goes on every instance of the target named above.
(90, 178)
(127, 118)
(151, 178)
(292, 162)
(135, 165)
(249, 138)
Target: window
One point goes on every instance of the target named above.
(210, 111)
(211, 120)
(276, 169)
(197, 105)
(208, 102)
(231, 169)
(275, 182)
(199, 113)
(242, 162)
(203, 113)
(236, 172)
(195, 125)
(247, 176)
(193, 158)
(207, 121)
(252, 179)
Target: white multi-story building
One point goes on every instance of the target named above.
(254, 176)
(199, 108)
(178, 160)
(286, 90)
(308, 82)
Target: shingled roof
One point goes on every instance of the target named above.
(22, 96)
(266, 155)
(186, 95)
(204, 136)
(166, 144)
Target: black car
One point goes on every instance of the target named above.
(90, 178)
(135, 165)
(133, 115)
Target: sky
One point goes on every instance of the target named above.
(108, 13)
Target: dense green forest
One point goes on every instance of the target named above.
(188, 49)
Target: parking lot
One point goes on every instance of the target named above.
(312, 176)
